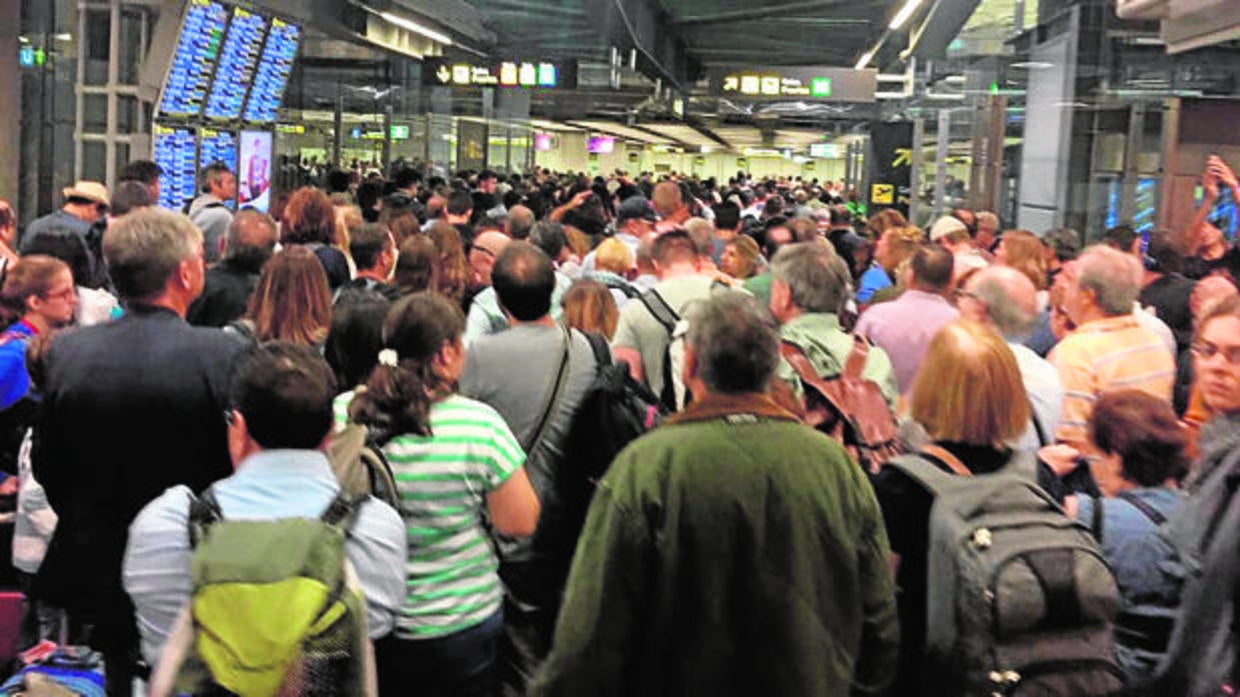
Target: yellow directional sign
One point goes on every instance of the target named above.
(904, 157)
(884, 194)
(444, 74)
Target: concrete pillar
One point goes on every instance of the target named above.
(10, 102)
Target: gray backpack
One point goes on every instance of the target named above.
(1019, 598)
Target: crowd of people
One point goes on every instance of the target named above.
(155, 360)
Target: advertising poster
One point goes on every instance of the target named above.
(254, 170)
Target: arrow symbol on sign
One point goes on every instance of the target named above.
(443, 74)
(904, 157)
(731, 83)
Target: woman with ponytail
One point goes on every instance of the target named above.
(458, 467)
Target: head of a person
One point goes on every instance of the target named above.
(152, 253)
(550, 237)
(1141, 440)
(883, 221)
(422, 358)
(667, 198)
(1164, 252)
(519, 222)
(614, 256)
(1122, 238)
(482, 255)
(589, 307)
(740, 257)
(987, 228)
(777, 234)
(1216, 355)
(281, 398)
(703, 233)
(453, 277)
(727, 217)
(308, 218)
(129, 196)
(407, 179)
(931, 266)
(144, 171)
(417, 265)
(8, 223)
(950, 232)
(460, 205)
(732, 346)
(807, 277)
(487, 181)
(40, 287)
(968, 388)
(355, 337)
(1001, 296)
(1024, 251)
(523, 279)
(1102, 282)
(675, 249)
(635, 217)
(63, 244)
(1064, 243)
(86, 200)
(251, 239)
(896, 245)
(292, 301)
(373, 248)
(219, 181)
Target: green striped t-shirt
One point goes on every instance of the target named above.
(452, 575)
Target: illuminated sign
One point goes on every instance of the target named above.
(400, 132)
(273, 71)
(514, 74)
(291, 128)
(31, 57)
(826, 151)
(808, 82)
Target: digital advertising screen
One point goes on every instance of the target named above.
(217, 146)
(274, 68)
(175, 150)
(543, 142)
(198, 49)
(601, 144)
(254, 170)
(243, 48)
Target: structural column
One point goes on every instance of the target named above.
(10, 100)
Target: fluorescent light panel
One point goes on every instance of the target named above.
(910, 6)
(416, 28)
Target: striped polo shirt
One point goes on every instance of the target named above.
(1115, 353)
(452, 576)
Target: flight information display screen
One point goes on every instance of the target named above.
(175, 149)
(238, 61)
(273, 72)
(198, 49)
(217, 146)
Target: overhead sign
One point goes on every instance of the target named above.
(797, 82)
(400, 132)
(826, 151)
(30, 57)
(547, 75)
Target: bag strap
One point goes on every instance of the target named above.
(342, 510)
(1147, 510)
(660, 310)
(854, 362)
(1037, 426)
(804, 370)
(944, 455)
(598, 344)
(924, 472)
(553, 396)
(1095, 523)
(204, 511)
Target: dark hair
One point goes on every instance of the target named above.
(144, 171)
(395, 400)
(549, 236)
(356, 336)
(285, 393)
(211, 174)
(523, 280)
(932, 266)
(129, 195)
(1120, 237)
(1163, 252)
(367, 242)
(66, 246)
(417, 265)
(406, 177)
(672, 246)
(727, 216)
(1144, 432)
(368, 194)
(337, 181)
(736, 343)
(460, 202)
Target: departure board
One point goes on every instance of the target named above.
(238, 62)
(175, 149)
(198, 49)
(273, 72)
(217, 146)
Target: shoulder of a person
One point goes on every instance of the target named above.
(377, 519)
(169, 509)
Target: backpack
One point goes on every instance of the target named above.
(847, 407)
(1019, 598)
(673, 395)
(357, 459)
(275, 608)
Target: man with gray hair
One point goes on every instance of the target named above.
(1109, 349)
(809, 286)
(1007, 300)
(733, 549)
(210, 211)
(519, 223)
(129, 408)
(229, 284)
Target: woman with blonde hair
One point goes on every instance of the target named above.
(740, 257)
(590, 307)
(291, 301)
(1024, 251)
(969, 397)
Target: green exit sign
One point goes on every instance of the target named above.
(400, 132)
(820, 87)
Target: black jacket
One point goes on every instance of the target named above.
(225, 293)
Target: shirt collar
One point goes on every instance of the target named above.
(714, 406)
(1109, 324)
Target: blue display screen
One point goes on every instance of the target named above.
(273, 72)
(174, 153)
(238, 61)
(198, 49)
(217, 146)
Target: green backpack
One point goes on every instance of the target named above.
(275, 607)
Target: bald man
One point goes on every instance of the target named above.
(519, 222)
(485, 316)
(249, 243)
(1006, 299)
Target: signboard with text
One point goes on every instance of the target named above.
(796, 82)
(545, 75)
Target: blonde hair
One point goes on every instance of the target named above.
(1027, 254)
(589, 307)
(614, 256)
(968, 388)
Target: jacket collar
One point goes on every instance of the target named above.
(718, 406)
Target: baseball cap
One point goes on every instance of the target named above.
(635, 207)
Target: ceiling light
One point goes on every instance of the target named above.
(910, 6)
(1032, 65)
(865, 60)
(416, 28)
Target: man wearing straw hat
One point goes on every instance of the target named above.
(84, 203)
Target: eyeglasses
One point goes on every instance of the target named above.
(1205, 351)
(65, 294)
